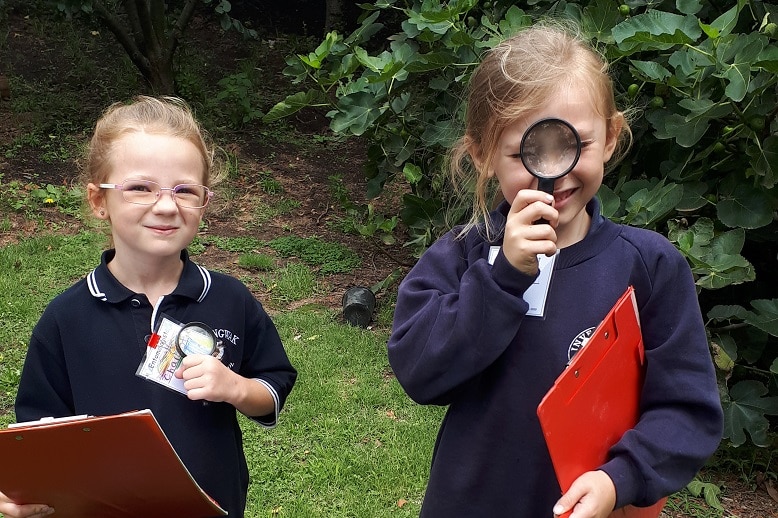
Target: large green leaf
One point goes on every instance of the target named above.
(366, 30)
(728, 313)
(768, 59)
(647, 206)
(745, 412)
(356, 112)
(670, 125)
(688, 6)
(651, 70)
(766, 163)
(736, 53)
(725, 23)
(316, 58)
(431, 61)
(656, 30)
(747, 207)
(609, 201)
(693, 197)
(514, 20)
(294, 103)
(716, 260)
(765, 317)
(598, 17)
(688, 60)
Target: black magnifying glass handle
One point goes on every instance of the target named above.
(547, 186)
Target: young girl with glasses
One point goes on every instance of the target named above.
(149, 169)
(466, 336)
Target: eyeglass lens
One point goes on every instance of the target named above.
(144, 192)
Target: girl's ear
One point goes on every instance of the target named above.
(476, 154)
(615, 125)
(96, 198)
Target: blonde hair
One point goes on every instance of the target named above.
(156, 115)
(513, 79)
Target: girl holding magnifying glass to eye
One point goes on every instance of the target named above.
(150, 169)
(494, 310)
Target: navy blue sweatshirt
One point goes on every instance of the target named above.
(86, 347)
(462, 338)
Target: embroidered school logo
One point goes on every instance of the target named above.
(578, 342)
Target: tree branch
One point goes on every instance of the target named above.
(178, 28)
(124, 39)
(147, 27)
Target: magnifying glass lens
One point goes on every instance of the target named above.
(194, 339)
(550, 148)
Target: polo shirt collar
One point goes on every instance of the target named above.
(195, 281)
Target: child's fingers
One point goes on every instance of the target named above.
(592, 495)
(526, 197)
(11, 510)
(566, 504)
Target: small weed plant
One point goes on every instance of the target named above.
(329, 257)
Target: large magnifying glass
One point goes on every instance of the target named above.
(550, 148)
(197, 338)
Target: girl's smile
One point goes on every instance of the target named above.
(145, 234)
(573, 191)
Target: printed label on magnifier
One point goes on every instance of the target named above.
(161, 360)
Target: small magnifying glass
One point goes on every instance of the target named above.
(550, 148)
(197, 338)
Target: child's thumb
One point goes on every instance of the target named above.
(565, 505)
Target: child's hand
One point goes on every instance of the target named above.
(592, 495)
(206, 377)
(12, 510)
(524, 240)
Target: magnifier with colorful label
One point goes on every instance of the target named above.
(550, 148)
(197, 338)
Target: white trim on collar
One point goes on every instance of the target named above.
(91, 281)
(206, 282)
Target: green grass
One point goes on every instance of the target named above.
(32, 273)
(252, 261)
(293, 282)
(349, 442)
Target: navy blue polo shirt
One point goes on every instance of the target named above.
(86, 348)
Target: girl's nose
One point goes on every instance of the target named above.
(165, 201)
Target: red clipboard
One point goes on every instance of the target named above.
(596, 399)
(118, 466)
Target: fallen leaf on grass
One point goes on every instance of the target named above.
(771, 490)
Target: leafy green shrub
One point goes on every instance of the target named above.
(702, 170)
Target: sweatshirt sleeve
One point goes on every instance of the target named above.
(681, 419)
(455, 315)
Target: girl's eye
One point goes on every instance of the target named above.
(136, 187)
